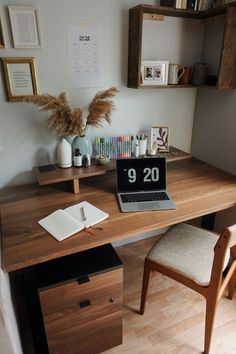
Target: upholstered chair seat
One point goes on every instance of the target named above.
(189, 250)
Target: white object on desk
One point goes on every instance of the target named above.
(142, 147)
(64, 154)
(64, 223)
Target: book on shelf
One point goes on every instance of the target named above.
(63, 223)
(178, 4)
(181, 4)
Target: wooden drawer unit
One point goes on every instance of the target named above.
(84, 314)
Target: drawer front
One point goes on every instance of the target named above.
(71, 306)
(66, 295)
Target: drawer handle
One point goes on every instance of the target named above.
(111, 300)
(82, 280)
(84, 303)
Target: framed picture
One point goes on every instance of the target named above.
(20, 77)
(154, 72)
(2, 45)
(160, 139)
(24, 26)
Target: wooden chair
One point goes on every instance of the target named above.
(196, 258)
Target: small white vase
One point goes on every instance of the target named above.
(64, 154)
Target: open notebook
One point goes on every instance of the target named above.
(63, 223)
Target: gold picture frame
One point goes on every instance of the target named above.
(20, 77)
(160, 137)
(2, 44)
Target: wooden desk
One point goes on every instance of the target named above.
(197, 188)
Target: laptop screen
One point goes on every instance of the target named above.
(141, 174)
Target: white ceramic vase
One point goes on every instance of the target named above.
(64, 154)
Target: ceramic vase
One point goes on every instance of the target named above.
(64, 154)
(83, 143)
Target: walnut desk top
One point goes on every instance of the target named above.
(197, 188)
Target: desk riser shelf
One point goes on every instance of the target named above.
(75, 174)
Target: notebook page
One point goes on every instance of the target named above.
(93, 214)
(60, 224)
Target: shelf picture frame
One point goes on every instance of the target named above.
(24, 26)
(154, 72)
(20, 77)
(2, 44)
(160, 139)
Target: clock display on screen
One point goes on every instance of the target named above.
(141, 174)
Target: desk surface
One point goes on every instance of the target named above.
(197, 188)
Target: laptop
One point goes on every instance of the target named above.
(141, 184)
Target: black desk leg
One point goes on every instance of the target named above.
(208, 221)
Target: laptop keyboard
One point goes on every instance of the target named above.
(143, 197)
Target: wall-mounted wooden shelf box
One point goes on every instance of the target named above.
(184, 37)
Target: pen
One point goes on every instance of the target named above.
(83, 213)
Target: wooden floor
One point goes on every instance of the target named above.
(174, 319)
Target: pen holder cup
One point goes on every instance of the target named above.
(142, 147)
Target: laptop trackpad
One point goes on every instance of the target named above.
(149, 206)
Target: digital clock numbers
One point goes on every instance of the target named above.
(148, 174)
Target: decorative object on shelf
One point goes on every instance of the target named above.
(199, 74)
(159, 139)
(176, 71)
(102, 160)
(66, 121)
(64, 154)
(24, 26)
(186, 77)
(154, 72)
(77, 158)
(20, 77)
(83, 143)
(2, 45)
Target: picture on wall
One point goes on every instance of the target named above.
(2, 45)
(160, 139)
(25, 26)
(20, 77)
(154, 72)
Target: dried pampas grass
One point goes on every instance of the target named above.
(67, 121)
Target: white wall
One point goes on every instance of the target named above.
(23, 133)
(213, 137)
(27, 141)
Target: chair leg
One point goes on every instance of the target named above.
(209, 323)
(232, 284)
(146, 278)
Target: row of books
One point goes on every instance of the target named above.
(197, 5)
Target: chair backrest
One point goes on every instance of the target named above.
(226, 240)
